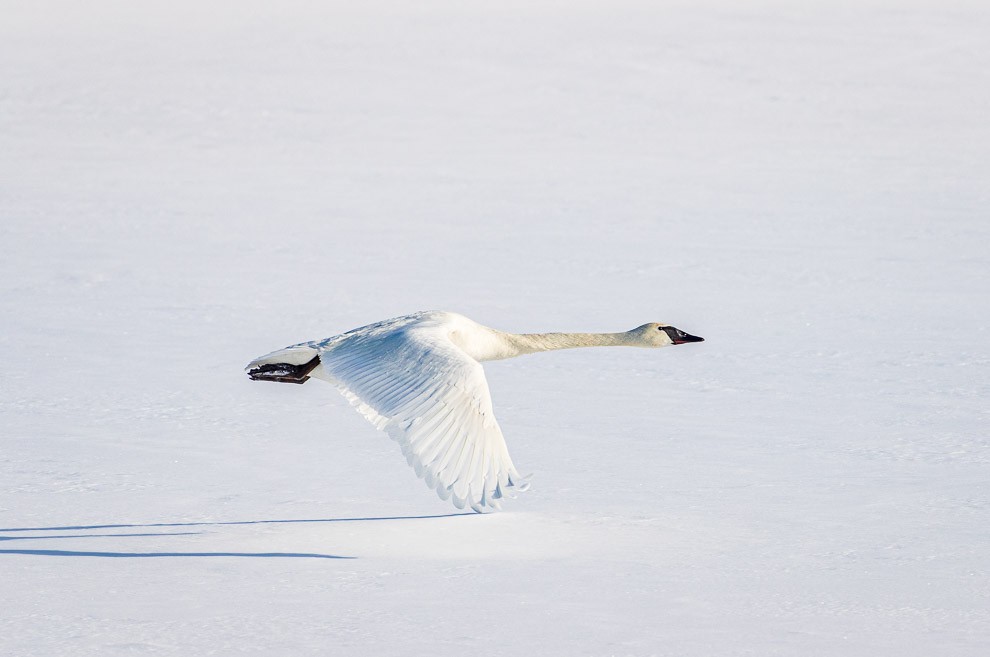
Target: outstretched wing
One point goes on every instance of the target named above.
(433, 400)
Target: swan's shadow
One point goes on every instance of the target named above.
(75, 553)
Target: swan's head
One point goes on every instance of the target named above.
(660, 335)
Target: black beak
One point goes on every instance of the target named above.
(677, 336)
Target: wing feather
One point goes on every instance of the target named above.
(432, 399)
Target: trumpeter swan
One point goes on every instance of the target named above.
(419, 378)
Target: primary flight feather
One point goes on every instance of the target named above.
(419, 378)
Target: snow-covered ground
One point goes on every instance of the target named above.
(805, 184)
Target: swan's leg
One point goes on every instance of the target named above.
(284, 372)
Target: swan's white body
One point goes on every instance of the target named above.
(419, 378)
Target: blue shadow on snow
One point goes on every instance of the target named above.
(79, 553)
(74, 553)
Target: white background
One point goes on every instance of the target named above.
(188, 185)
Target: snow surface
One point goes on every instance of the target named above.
(185, 186)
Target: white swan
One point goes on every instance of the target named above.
(420, 379)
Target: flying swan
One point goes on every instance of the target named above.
(419, 378)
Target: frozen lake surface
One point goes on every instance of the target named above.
(186, 187)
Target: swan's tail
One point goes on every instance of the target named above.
(289, 365)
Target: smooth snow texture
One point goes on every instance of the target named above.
(184, 185)
(419, 378)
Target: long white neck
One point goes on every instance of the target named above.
(518, 344)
